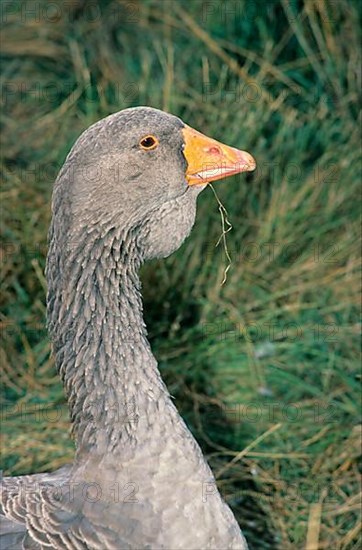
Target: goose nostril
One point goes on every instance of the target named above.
(214, 150)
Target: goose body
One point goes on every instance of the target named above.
(126, 193)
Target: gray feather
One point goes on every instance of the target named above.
(139, 479)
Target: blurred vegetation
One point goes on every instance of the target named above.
(265, 368)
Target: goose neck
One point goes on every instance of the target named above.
(95, 318)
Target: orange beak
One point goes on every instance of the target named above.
(209, 160)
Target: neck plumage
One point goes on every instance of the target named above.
(95, 319)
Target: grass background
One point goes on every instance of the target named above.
(265, 368)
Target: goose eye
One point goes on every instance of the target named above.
(149, 142)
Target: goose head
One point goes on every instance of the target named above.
(140, 171)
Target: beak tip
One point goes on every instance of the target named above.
(248, 161)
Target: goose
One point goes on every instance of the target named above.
(126, 193)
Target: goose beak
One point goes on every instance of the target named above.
(209, 160)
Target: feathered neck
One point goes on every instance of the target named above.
(95, 320)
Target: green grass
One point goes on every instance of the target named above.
(265, 368)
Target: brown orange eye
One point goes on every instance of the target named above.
(149, 142)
